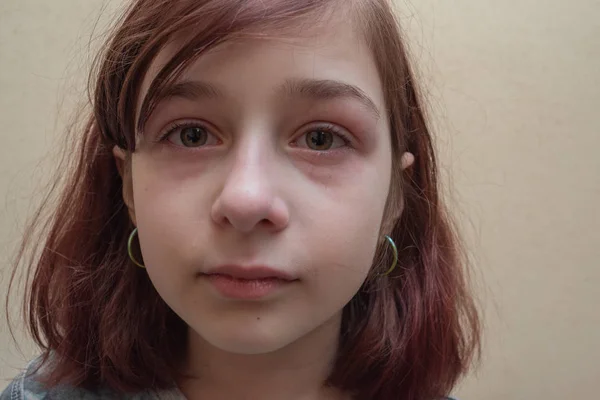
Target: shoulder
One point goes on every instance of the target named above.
(24, 386)
(27, 386)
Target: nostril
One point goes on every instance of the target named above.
(245, 214)
(266, 223)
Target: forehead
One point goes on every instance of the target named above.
(331, 49)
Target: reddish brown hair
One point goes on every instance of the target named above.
(409, 336)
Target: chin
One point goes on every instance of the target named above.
(245, 342)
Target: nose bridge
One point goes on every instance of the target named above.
(249, 195)
(249, 169)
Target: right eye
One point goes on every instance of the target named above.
(190, 135)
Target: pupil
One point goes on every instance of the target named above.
(193, 136)
(320, 139)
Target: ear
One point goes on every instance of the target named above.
(407, 160)
(396, 210)
(124, 167)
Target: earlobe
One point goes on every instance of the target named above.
(121, 161)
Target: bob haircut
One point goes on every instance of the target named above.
(410, 335)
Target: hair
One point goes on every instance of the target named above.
(410, 335)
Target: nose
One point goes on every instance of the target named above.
(249, 199)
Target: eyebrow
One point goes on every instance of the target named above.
(190, 90)
(325, 89)
(315, 89)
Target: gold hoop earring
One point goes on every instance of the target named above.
(130, 252)
(395, 251)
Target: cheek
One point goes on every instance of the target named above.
(170, 211)
(342, 268)
(170, 239)
(344, 233)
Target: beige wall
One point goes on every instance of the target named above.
(515, 91)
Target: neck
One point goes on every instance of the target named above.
(296, 372)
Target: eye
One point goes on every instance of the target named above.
(190, 135)
(322, 138)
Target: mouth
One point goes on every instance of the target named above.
(248, 283)
(251, 272)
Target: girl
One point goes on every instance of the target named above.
(253, 213)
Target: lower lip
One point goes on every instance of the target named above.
(245, 289)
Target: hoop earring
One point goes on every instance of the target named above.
(395, 251)
(130, 252)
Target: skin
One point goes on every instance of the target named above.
(257, 194)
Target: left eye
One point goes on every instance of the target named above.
(320, 139)
(191, 136)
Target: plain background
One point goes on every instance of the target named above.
(514, 93)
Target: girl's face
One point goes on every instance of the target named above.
(269, 158)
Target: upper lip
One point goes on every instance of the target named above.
(250, 272)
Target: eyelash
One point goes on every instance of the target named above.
(327, 127)
(180, 125)
(331, 128)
